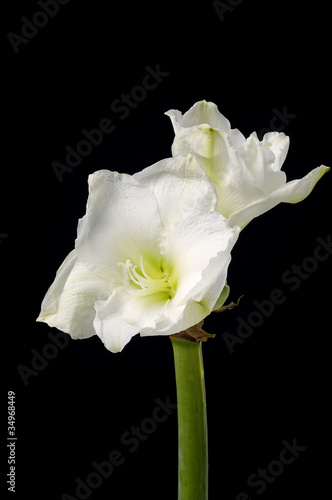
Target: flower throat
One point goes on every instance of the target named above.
(139, 285)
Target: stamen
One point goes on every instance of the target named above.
(147, 285)
(142, 267)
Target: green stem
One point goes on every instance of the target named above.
(192, 424)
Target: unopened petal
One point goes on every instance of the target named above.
(297, 190)
(201, 112)
(279, 145)
(261, 161)
(292, 192)
(234, 183)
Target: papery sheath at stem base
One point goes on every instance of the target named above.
(192, 420)
(194, 334)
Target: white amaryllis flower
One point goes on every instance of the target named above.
(151, 256)
(246, 172)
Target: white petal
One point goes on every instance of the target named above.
(50, 303)
(113, 331)
(179, 184)
(122, 316)
(222, 297)
(122, 222)
(199, 250)
(183, 316)
(292, 192)
(73, 298)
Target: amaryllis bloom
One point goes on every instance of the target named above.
(151, 256)
(246, 172)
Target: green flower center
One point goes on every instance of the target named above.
(140, 284)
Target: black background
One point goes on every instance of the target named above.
(261, 57)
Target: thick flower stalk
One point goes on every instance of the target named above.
(246, 172)
(151, 256)
(192, 420)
